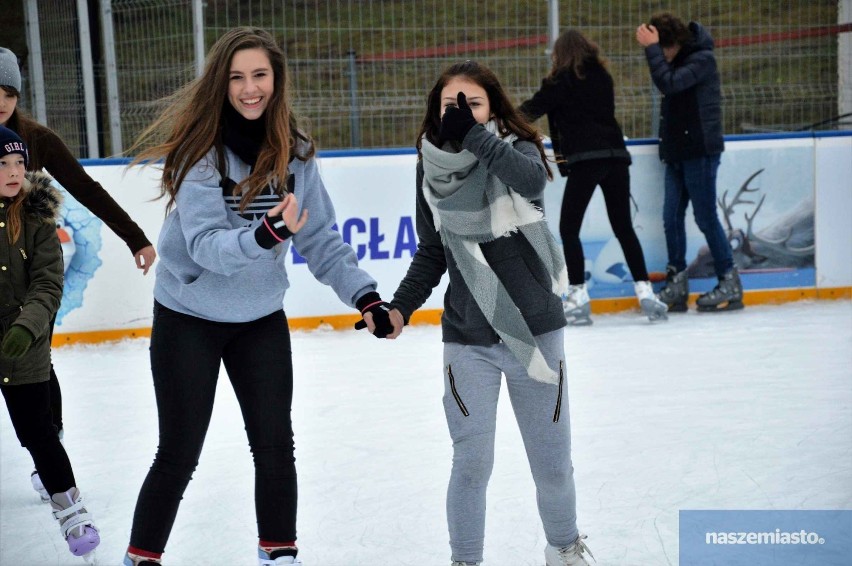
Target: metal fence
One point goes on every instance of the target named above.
(361, 68)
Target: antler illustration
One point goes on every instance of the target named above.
(777, 245)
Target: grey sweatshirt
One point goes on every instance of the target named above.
(211, 265)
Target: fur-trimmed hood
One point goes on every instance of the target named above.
(42, 199)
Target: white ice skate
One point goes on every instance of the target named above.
(131, 559)
(651, 305)
(576, 306)
(276, 557)
(571, 555)
(39, 487)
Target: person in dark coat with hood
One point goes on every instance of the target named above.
(579, 100)
(683, 67)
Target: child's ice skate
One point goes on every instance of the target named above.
(652, 307)
(576, 306)
(75, 523)
(39, 487)
(571, 555)
(284, 555)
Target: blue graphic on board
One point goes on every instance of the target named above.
(79, 233)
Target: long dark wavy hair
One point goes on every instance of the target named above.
(573, 50)
(191, 123)
(508, 119)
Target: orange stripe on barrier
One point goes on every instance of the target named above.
(346, 321)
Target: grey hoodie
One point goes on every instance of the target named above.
(211, 265)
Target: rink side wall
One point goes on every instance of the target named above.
(794, 212)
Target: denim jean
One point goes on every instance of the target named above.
(186, 353)
(694, 180)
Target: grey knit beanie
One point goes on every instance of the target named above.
(10, 74)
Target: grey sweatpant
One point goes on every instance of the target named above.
(472, 379)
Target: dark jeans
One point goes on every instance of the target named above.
(613, 177)
(186, 353)
(29, 409)
(694, 180)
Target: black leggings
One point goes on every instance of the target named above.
(186, 353)
(613, 176)
(29, 409)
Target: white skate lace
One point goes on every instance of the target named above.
(576, 549)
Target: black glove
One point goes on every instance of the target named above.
(16, 342)
(271, 231)
(373, 304)
(457, 121)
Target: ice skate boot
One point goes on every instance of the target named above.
(75, 522)
(39, 487)
(576, 306)
(726, 296)
(134, 559)
(285, 555)
(652, 307)
(571, 555)
(676, 292)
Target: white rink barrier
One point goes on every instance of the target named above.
(789, 221)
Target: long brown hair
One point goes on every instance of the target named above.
(508, 119)
(191, 123)
(572, 50)
(15, 212)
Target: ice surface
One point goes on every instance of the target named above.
(745, 410)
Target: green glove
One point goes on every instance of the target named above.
(16, 342)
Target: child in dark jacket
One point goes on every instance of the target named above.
(30, 290)
(480, 179)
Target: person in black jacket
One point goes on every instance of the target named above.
(579, 100)
(683, 68)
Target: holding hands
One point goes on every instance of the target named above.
(457, 121)
(647, 35)
(379, 317)
(280, 222)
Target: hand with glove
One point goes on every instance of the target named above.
(16, 342)
(457, 121)
(377, 316)
(280, 222)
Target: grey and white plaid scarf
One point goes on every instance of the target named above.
(470, 206)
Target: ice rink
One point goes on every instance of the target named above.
(745, 410)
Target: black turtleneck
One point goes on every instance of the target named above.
(243, 137)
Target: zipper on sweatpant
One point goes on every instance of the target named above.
(458, 398)
(558, 410)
